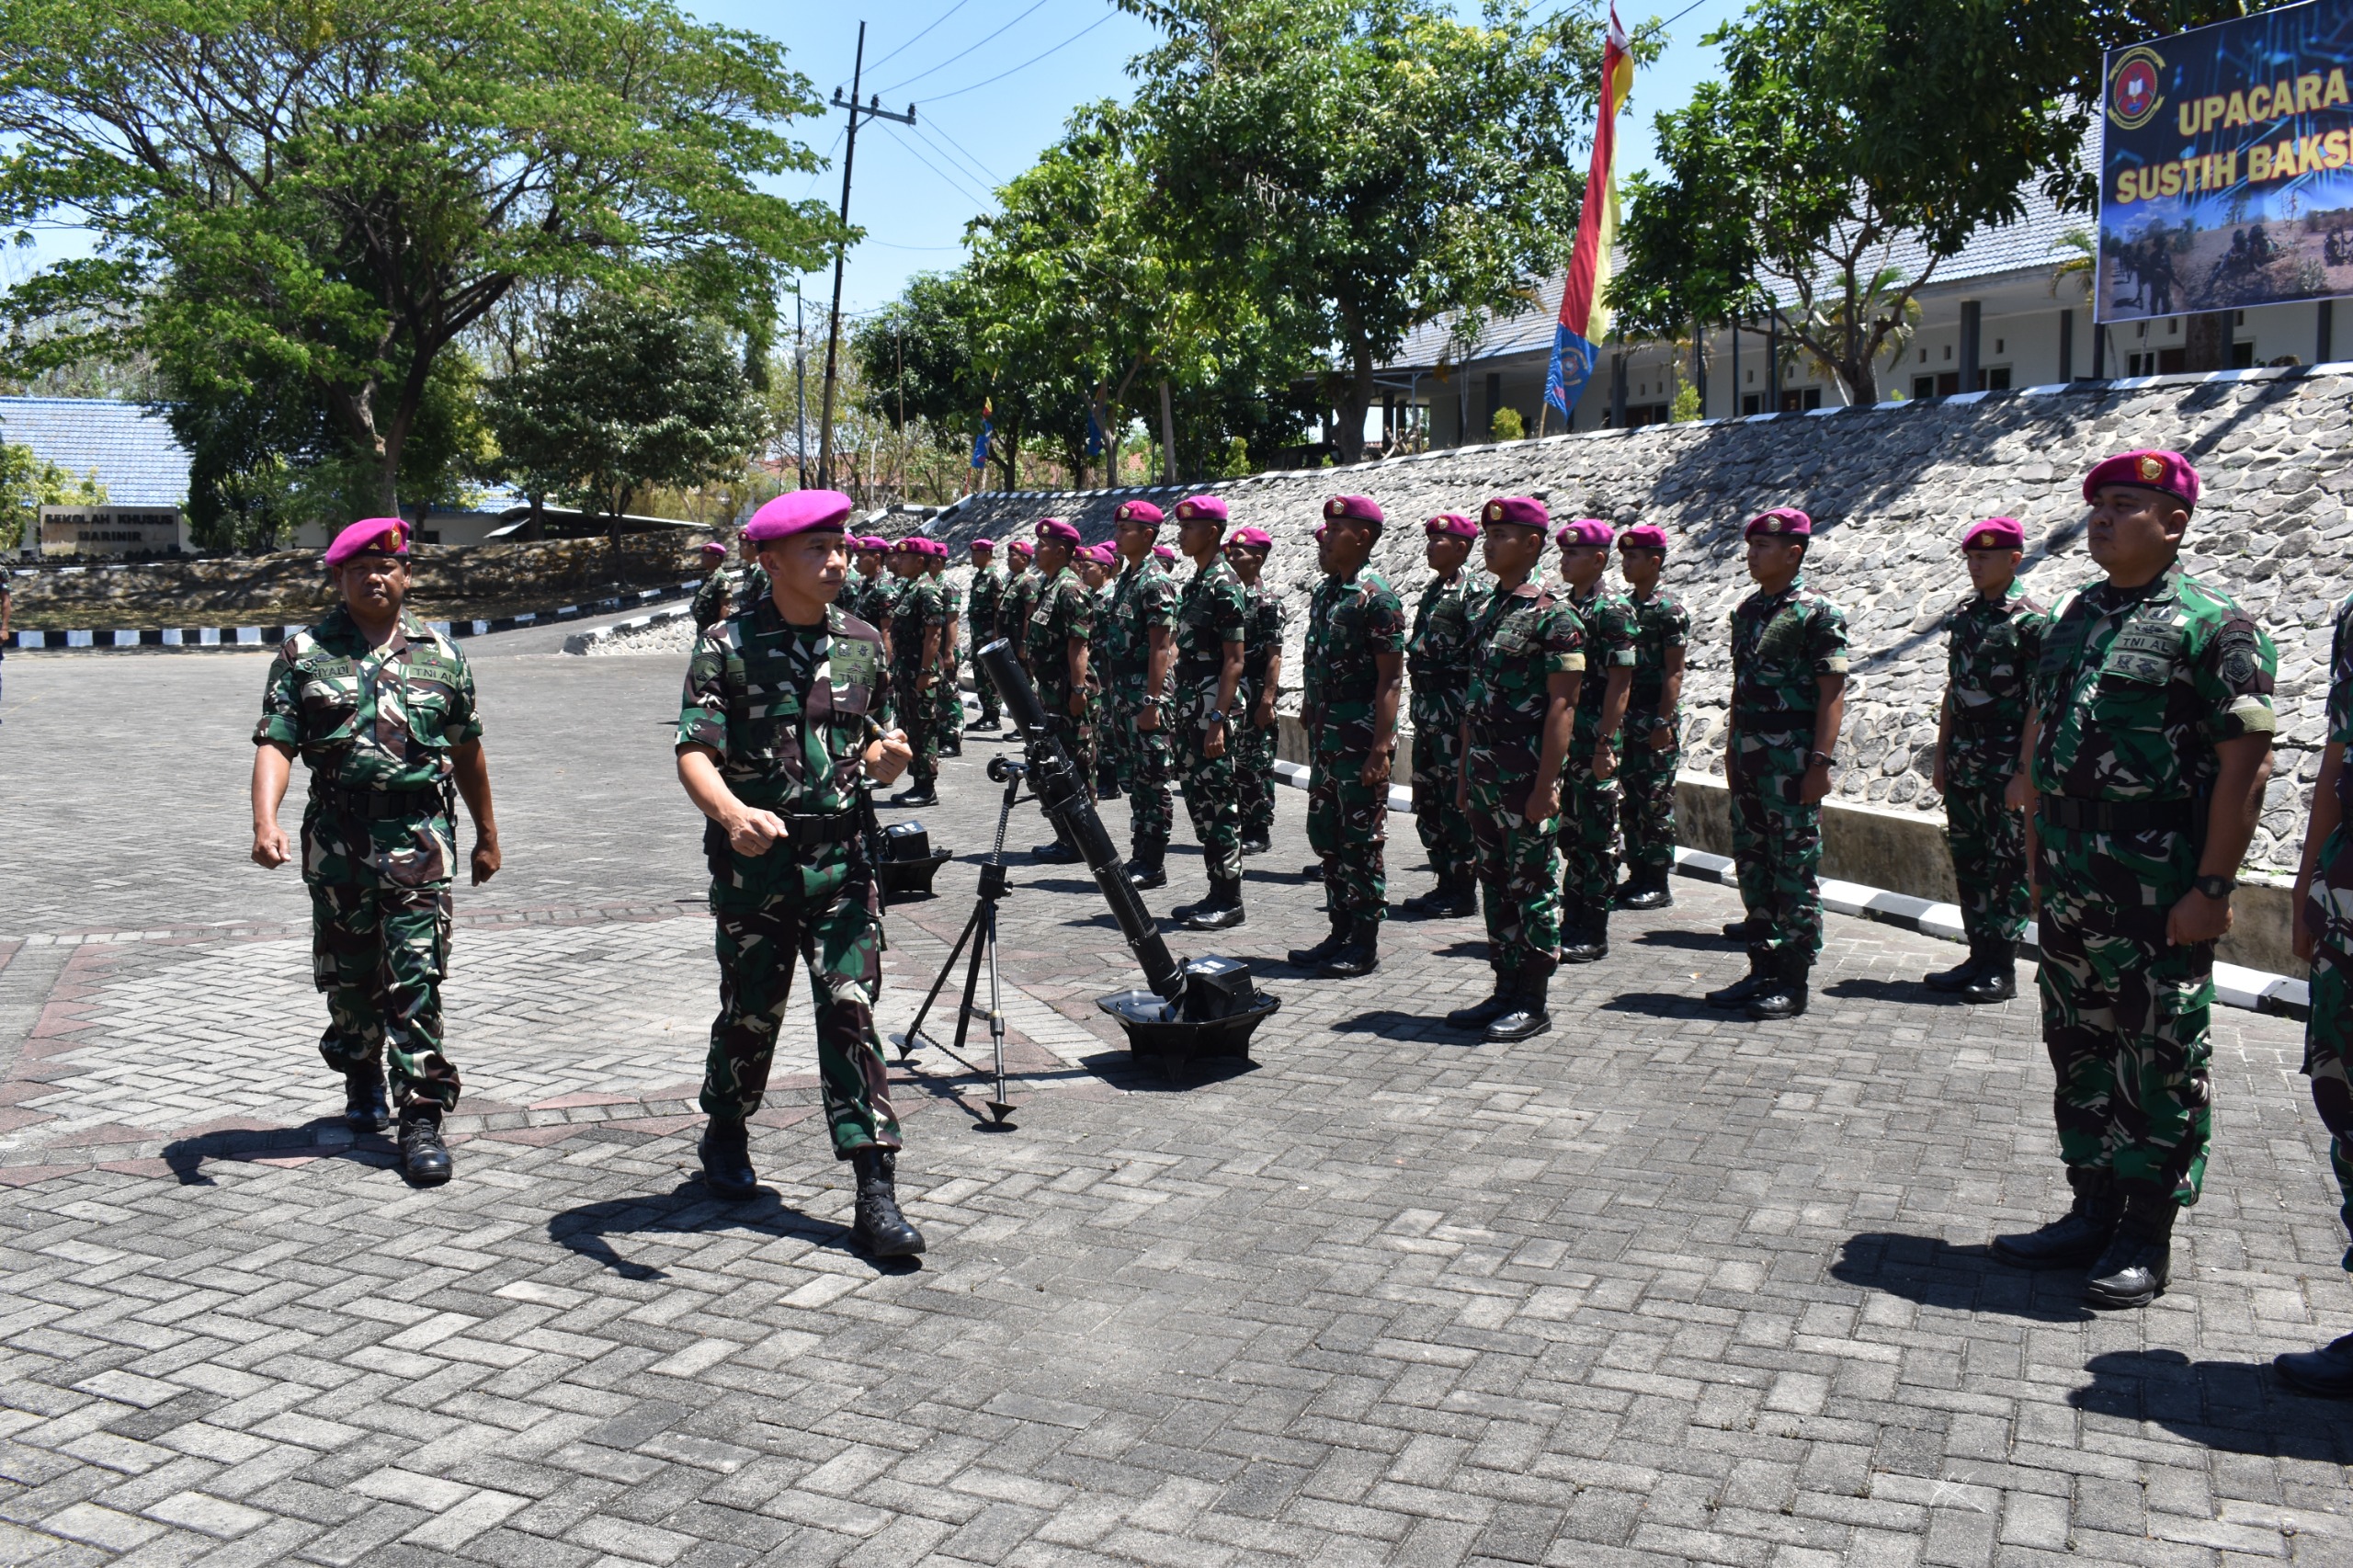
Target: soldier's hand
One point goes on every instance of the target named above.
(2197, 918)
(1461, 794)
(755, 832)
(1605, 761)
(2307, 939)
(1376, 771)
(487, 859)
(2017, 794)
(269, 847)
(1148, 716)
(1936, 777)
(1815, 785)
(1262, 716)
(1077, 704)
(1543, 803)
(1214, 740)
(888, 757)
(1663, 738)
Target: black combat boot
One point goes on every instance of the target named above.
(1061, 852)
(1528, 1015)
(1746, 930)
(1784, 996)
(1255, 844)
(425, 1159)
(2327, 1371)
(1222, 911)
(367, 1106)
(2077, 1237)
(1961, 975)
(1479, 1014)
(1759, 976)
(1147, 871)
(2134, 1269)
(1360, 954)
(726, 1153)
(920, 794)
(1997, 974)
(1645, 889)
(1310, 957)
(879, 1227)
(1457, 896)
(1585, 935)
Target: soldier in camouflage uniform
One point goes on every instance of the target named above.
(1789, 699)
(1589, 803)
(1992, 640)
(868, 595)
(1020, 599)
(919, 626)
(1094, 564)
(1654, 745)
(948, 700)
(1262, 672)
(1060, 631)
(726, 583)
(1526, 663)
(1437, 657)
(2325, 940)
(381, 709)
(1139, 632)
(987, 596)
(2148, 740)
(775, 729)
(1213, 616)
(1354, 673)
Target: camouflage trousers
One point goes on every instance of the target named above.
(1213, 789)
(380, 946)
(1588, 839)
(984, 687)
(2124, 1012)
(1437, 768)
(770, 913)
(1646, 793)
(1777, 848)
(1146, 765)
(1254, 767)
(947, 698)
(919, 717)
(1988, 842)
(1520, 874)
(1348, 826)
(2328, 1038)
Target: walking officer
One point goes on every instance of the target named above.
(381, 709)
(1437, 657)
(919, 626)
(986, 596)
(710, 602)
(1992, 640)
(1059, 632)
(1247, 549)
(1789, 699)
(1353, 674)
(774, 733)
(1653, 748)
(1138, 653)
(1526, 663)
(2324, 940)
(1213, 616)
(2148, 743)
(1589, 803)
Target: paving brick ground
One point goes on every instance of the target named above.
(1659, 1287)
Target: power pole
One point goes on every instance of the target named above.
(872, 109)
(799, 392)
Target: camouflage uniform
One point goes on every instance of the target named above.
(1520, 639)
(1646, 778)
(2133, 689)
(1065, 610)
(786, 709)
(376, 727)
(1588, 803)
(987, 596)
(1350, 621)
(2328, 1032)
(915, 607)
(1015, 609)
(1211, 612)
(1782, 645)
(1141, 597)
(1991, 650)
(947, 700)
(735, 583)
(1437, 659)
(1253, 749)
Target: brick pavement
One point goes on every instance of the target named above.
(1659, 1287)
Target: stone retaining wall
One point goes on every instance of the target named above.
(1889, 488)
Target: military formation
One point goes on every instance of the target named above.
(2101, 758)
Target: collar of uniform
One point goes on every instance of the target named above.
(1797, 586)
(1530, 589)
(337, 625)
(2165, 584)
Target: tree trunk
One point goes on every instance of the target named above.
(2206, 341)
(1167, 434)
(1356, 401)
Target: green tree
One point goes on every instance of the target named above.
(1369, 164)
(629, 395)
(332, 193)
(29, 482)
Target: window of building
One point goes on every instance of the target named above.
(2243, 354)
(1797, 400)
(1993, 378)
(1641, 414)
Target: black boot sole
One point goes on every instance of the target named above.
(2104, 1301)
(1540, 1024)
(874, 1248)
(1217, 920)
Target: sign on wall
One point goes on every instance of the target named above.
(2226, 167)
(108, 530)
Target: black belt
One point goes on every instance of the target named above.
(834, 827)
(381, 805)
(2117, 816)
(1772, 718)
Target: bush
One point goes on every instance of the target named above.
(1506, 427)
(1686, 407)
(1237, 464)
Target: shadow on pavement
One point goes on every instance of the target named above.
(1388, 1023)
(690, 1209)
(321, 1138)
(1863, 988)
(1933, 1273)
(2235, 1406)
(1694, 941)
(1153, 1075)
(1663, 1004)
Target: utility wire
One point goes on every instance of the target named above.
(956, 184)
(956, 154)
(919, 36)
(941, 98)
(953, 59)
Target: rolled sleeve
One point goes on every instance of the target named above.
(703, 709)
(281, 707)
(2234, 681)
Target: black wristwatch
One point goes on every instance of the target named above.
(2216, 887)
(1660, 722)
(1214, 716)
(1819, 760)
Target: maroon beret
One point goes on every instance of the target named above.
(1055, 529)
(1451, 525)
(1995, 533)
(2168, 471)
(798, 512)
(1021, 547)
(988, 544)
(369, 536)
(1163, 552)
(1584, 530)
(1781, 522)
(1198, 509)
(712, 547)
(1250, 539)
(1357, 508)
(1642, 535)
(1523, 510)
(1138, 512)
